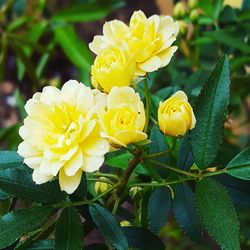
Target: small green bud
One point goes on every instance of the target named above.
(182, 27)
(194, 15)
(180, 10)
(101, 187)
(125, 223)
(134, 191)
(192, 4)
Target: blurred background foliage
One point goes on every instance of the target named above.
(46, 43)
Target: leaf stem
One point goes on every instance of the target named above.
(180, 171)
(163, 153)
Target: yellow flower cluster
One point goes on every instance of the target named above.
(69, 131)
(124, 52)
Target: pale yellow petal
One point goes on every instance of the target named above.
(92, 163)
(69, 183)
(128, 137)
(74, 164)
(151, 64)
(40, 178)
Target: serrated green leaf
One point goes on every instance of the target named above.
(108, 226)
(15, 224)
(9, 159)
(239, 190)
(225, 37)
(185, 212)
(69, 231)
(210, 111)
(142, 239)
(185, 158)
(4, 195)
(42, 245)
(239, 166)
(19, 183)
(158, 208)
(75, 49)
(217, 213)
(159, 144)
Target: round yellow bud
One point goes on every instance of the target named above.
(192, 4)
(125, 223)
(101, 186)
(175, 115)
(114, 66)
(194, 15)
(123, 117)
(180, 10)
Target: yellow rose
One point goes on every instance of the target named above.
(149, 39)
(233, 3)
(180, 9)
(123, 117)
(175, 115)
(100, 187)
(114, 66)
(61, 136)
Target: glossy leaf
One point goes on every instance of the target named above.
(185, 159)
(217, 213)
(158, 208)
(142, 239)
(10, 159)
(42, 245)
(15, 224)
(108, 226)
(239, 166)
(69, 230)
(19, 183)
(185, 212)
(75, 49)
(210, 111)
(86, 12)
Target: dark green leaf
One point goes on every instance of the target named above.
(42, 245)
(185, 158)
(239, 166)
(185, 212)
(10, 159)
(4, 195)
(158, 208)
(159, 144)
(142, 239)
(108, 226)
(232, 41)
(217, 213)
(69, 230)
(75, 49)
(85, 12)
(15, 224)
(210, 111)
(96, 247)
(19, 183)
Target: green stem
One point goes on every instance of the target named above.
(163, 153)
(101, 180)
(80, 203)
(177, 170)
(112, 176)
(147, 97)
